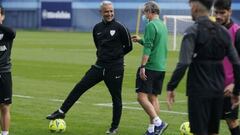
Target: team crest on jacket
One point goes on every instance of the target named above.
(1, 36)
(112, 32)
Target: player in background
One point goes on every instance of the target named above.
(7, 36)
(151, 73)
(203, 48)
(113, 42)
(223, 14)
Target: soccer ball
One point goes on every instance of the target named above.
(185, 129)
(57, 125)
(212, 18)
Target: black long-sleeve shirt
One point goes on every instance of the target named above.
(6, 40)
(113, 41)
(205, 75)
(237, 42)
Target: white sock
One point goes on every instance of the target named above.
(5, 132)
(60, 111)
(157, 121)
(151, 128)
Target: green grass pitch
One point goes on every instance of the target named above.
(47, 65)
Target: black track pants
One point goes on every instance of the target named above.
(113, 80)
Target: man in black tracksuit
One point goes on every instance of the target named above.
(112, 41)
(223, 14)
(7, 36)
(204, 46)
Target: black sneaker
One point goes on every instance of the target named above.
(160, 129)
(112, 131)
(56, 115)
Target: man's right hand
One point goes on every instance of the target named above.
(136, 38)
(228, 90)
(170, 99)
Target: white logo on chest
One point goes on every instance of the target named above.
(3, 48)
(112, 32)
(1, 36)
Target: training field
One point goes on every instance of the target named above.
(47, 65)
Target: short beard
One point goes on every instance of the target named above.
(193, 18)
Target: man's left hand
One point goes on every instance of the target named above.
(235, 101)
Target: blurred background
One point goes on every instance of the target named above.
(54, 48)
(81, 15)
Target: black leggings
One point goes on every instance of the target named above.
(113, 80)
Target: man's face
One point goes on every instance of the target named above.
(107, 12)
(223, 16)
(193, 10)
(146, 14)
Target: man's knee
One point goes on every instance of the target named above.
(141, 97)
(4, 108)
(153, 98)
(117, 102)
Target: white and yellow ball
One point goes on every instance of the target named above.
(57, 125)
(185, 129)
(212, 18)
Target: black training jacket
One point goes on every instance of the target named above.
(202, 51)
(113, 41)
(6, 39)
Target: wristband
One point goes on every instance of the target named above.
(142, 66)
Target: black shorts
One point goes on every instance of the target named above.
(227, 112)
(204, 114)
(153, 84)
(5, 88)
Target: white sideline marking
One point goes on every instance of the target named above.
(60, 100)
(56, 100)
(129, 103)
(134, 103)
(53, 100)
(178, 101)
(138, 108)
(110, 104)
(61, 76)
(21, 96)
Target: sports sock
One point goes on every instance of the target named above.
(5, 132)
(151, 128)
(157, 121)
(235, 131)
